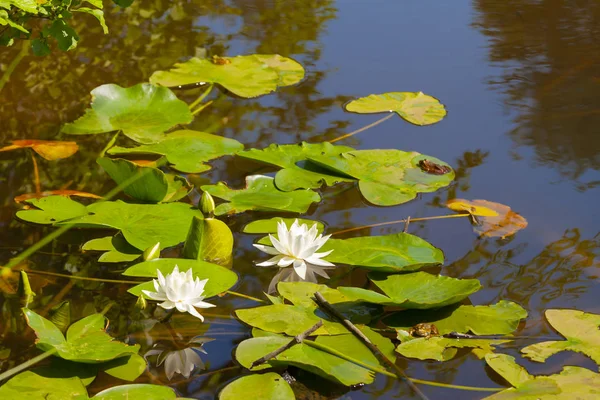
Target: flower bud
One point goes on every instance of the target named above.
(207, 204)
(151, 252)
(141, 303)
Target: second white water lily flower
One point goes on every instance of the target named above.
(297, 247)
(179, 290)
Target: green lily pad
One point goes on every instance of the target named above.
(152, 185)
(398, 252)
(418, 290)
(270, 225)
(414, 107)
(209, 240)
(579, 328)
(245, 76)
(115, 247)
(269, 386)
(127, 368)
(186, 150)
(260, 194)
(292, 176)
(497, 319)
(137, 391)
(43, 384)
(142, 112)
(52, 209)
(571, 383)
(389, 177)
(305, 357)
(86, 340)
(219, 278)
(441, 348)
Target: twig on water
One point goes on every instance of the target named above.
(324, 304)
(406, 223)
(296, 340)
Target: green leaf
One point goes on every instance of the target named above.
(127, 368)
(43, 384)
(245, 76)
(66, 37)
(143, 112)
(152, 185)
(60, 315)
(270, 225)
(399, 252)
(115, 247)
(99, 14)
(86, 340)
(30, 6)
(497, 319)
(40, 47)
(260, 194)
(579, 328)
(269, 386)
(387, 177)
(209, 240)
(123, 3)
(52, 209)
(302, 356)
(440, 348)
(349, 344)
(571, 383)
(292, 176)
(419, 290)
(219, 278)
(284, 318)
(414, 107)
(95, 3)
(5, 20)
(187, 151)
(137, 391)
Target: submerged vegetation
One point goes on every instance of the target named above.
(168, 234)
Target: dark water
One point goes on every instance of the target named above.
(521, 81)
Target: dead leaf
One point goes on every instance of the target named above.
(491, 219)
(48, 149)
(65, 193)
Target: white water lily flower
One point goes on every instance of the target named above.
(179, 290)
(297, 247)
(182, 361)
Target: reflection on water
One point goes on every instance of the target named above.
(549, 53)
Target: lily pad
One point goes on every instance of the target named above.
(571, 383)
(476, 207)
(115, 247)
(579, 328)
(48, 149)
(269, 386)
(305, 357)
(186, 150)
(245, 76)
(388, 177)
(43, 384)
(137, 391)
(86, 340)
(209, 240)
(219, 278)
(418, 290)
(292, 176)
(414, 107)
(270, 225)
(150, 185)
(499, 221)
(260, 194)
(399, 252)
(497, 319)
(142, 112)
(440, 348)
(51, 210)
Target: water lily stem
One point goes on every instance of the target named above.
(14, 63)
(364, 128)
(36, 174)
(81, 278)
(202, 107)
(202, 96)
(245, 296)
(382, 371)
(26, 364)
(110, 143)
(358, 228)
(398, 373)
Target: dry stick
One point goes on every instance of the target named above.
(296, 340)
(364, 128)
(358, 228)
(36, 174)
(361, 336)
(406, 223)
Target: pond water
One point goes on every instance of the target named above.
(520, 81)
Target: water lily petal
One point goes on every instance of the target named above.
(271, 261)
(300, 268)
(286, 261)
(267, 249)
(190, 309)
